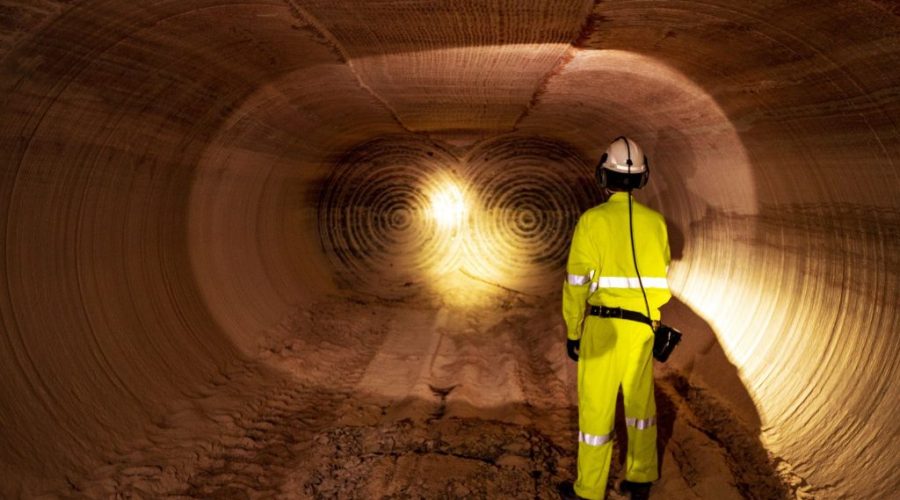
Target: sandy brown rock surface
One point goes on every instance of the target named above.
(313, 247)
(487, 413)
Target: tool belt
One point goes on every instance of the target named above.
(665, 338)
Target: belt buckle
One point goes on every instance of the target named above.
(613, 312)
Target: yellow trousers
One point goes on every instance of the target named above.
(615, 353)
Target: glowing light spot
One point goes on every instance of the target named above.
(448, 206)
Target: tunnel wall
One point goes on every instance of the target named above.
(253, 212)
(105, 117)
(162, 165)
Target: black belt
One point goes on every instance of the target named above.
(618, 312)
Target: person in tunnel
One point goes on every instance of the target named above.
(617, 269)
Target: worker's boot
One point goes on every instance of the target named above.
(567, 491)
(636, 491)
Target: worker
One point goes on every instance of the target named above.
(615, 284)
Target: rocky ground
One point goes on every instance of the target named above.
(418, 399)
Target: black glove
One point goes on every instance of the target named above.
(572, 347)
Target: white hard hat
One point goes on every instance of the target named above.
(623, 166)
(625, 156)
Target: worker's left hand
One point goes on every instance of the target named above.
(572, 347)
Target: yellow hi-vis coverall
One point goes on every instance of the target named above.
(615, 352)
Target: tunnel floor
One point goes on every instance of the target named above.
(411, 399)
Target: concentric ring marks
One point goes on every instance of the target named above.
(401, 212)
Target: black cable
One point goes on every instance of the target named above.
(634, 255)
(631, 231)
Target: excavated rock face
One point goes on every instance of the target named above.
(177, 177)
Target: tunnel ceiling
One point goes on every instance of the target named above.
(178, 175)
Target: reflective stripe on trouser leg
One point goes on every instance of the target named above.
(593, 468)
(640, 423)
(593, 439)
(641, 463)
(599, 374)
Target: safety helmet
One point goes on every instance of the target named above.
(623, 166)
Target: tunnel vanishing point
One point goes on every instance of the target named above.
(183, 181)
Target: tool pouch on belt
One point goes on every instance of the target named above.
(665, 338)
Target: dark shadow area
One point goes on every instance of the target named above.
(701, 386)
(700, 360)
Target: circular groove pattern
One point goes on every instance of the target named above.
(378, 220)
(375, 223)
(530, 192)
(114, 110)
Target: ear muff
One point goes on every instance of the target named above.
(618, 180)
(645, 175)
(600, 172)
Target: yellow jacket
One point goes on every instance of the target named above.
(600, 270)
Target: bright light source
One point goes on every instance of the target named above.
(448, 206)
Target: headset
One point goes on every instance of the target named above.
(618, 180)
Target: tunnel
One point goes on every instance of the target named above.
(315, 249)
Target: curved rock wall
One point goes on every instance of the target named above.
(177, 175)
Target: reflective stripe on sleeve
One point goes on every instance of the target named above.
(628, 282)
(580, 279)
(593, 439)
(640, 423)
